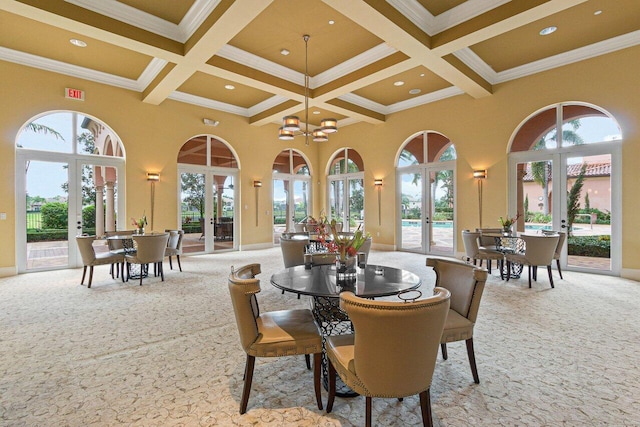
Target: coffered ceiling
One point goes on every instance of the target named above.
(367, 58)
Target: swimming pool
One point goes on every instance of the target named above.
(449, 224)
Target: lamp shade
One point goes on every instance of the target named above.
(320, 136)
(285, 135)
(151, 176)
(377, 182)
(257, 183)
(291, 123)
(480, 174)
(329, 125)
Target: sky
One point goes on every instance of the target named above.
(592, 129)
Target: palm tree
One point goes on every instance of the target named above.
(541, 170)
(45, 130)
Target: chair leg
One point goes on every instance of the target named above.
(529, 269)
(170, 264)
(472, 360)
(161, 268)
(425, 407)
(508, 270)
(90, 276)
(141, 272)
(307, 359)
(550, 276)
(535, 272)
(84, 273)
(122, 270)
(367, 422)
(332, 386)
(248, 377)
(317, 362)
(443, 347)
(559, 269)
(179, 266)
(489, 265)
(111, 271)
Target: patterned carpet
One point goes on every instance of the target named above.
(168, 354)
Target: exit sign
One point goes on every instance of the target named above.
(74, 94)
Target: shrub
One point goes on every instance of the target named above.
(591, 246)
(89, 217)
(54, 215)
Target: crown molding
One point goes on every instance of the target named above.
(155, 66)
(67, 69)
(360, 101)
(476, 63)
(364, 59)
(427, 98)
(274, 101)
(258, 63)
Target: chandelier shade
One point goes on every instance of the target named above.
(291, 124)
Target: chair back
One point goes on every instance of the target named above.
(175, 239)
(396, 343)
(150, 248)
(562, 237)
(116, 244)
(243, 287)
(323, 258)
(300, 227)
(365, 248)
(465, 282)
(540, 250)
(293, 251)
(87, 252)
(487, 241)
(470, 241)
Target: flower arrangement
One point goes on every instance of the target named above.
(140, 222)
(344, 246)
(508, 222)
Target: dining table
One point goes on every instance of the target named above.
(509, 243)
(126, 246)
(321, 284)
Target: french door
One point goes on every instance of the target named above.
(291, 197)
(426, 208)
(65, 196)
(557, 189)
(346, 200)
(207, 208)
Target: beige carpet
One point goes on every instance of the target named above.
(168, 354)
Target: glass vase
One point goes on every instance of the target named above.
(346, 270)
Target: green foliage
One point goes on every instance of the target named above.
(591, 246)
(587, 203)
(89, 217)
(54, 215)
(526, 206)
(538, 218)
(50, 235)
(193, 189)
(573, 197)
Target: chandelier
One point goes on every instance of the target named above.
(291, 124)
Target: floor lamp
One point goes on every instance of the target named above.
(153, 178)
(480, 175)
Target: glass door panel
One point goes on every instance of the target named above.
(300, 200)
(441, 208)
(534, 193)
(589, 211)
(280, 208)
(411, 211)
(47, 215)
(224, 212)
(356, 205)
(336, 200)
(192, 212)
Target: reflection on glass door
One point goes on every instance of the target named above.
(223, 212)
(336, 200)
(441, 208)
(290, 208)
(411, 236)
(192, 211)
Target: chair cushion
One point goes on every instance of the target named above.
(286, 332)
(107, 258)
(456, 328)
(340, 350)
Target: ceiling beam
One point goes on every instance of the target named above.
(386, 22)
(227, 20)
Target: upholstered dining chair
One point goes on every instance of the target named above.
(293, 250)
(90, 258)
(487, 242)
(377, 360)
(473, 251)
(116, 246)
(271, 334)
(149, 250)
(466, 284)
(539, 250)
(174, 246)
(562, 237)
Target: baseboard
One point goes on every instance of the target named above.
(630, 273)
(8, 271)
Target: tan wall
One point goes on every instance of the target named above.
(479, 128)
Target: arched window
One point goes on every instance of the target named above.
(563, 163)
(425, 172)
(208, 171)
(291, 192)
(73, 166)
(345, 189)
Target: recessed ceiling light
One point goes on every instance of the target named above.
(316, 112)
(398, 83)
(284, 52)
(415, 91)
(331, 22)
(78, 43)
(421, 74)
(548, 30)
(230, 87)
(597, 12)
